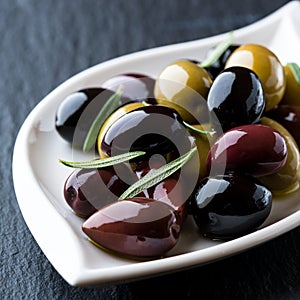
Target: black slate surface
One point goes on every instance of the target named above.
(42, 43)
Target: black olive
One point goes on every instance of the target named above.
(236, 98)
(77, 112)
(219, 65)
(155, 129)
(230, 205)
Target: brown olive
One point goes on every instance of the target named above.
(87, 190)
(184, 85)
(267, 67)
(138, 227)
(292, 92)
(286, 178)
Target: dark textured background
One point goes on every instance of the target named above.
(42, 43)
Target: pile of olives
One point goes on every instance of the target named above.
(242, 113)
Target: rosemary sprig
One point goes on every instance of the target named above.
(295, 70)
(103, 162)
(217, 52)
(157, 175)
(108, 108)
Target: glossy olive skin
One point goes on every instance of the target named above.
(184, 85)
(289, 117)
(121, 111)
(171, 190)
(135, 86)
(87, 190)
(196, 166)
(254, 149)
(285, 180)
(219, 65)
(267, 67)
(76, 113)
(237, 206)
(292, 91)
(153, 129)
(236, 97)
(138, 227)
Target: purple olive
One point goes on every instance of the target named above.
(87, 190)
(255, 149)
(135, 86)
(138, 227)
(289, 117)
(230, 205)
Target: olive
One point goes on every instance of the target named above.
(285, 180)
(121, 111)
(292, 91)
(87, 190)
(138, 227)
(196, 166)
(77, 111)
(236, 97)
(135, 86)
(155, 129)
(171, 190)
(219, 65)
(255, 149)
(266, 65)
(230, 205)
(289, 117)
(184, 85)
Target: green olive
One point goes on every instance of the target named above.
(121, 111)
(292, 91)
(197, 165)
(267, 67)
(286, 179)
(184, 86)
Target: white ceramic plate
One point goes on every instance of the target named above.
(38, 177)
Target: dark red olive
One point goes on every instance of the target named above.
(219, 65)
(171, 190)
(289, 117)
(135, 86)
(138, 227)
(155, 129)
(87, 190)
(76, 113)
(230, 205)
(236, 98)
(255, 149)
